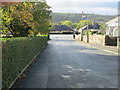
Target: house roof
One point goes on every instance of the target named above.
(113, 22)
(61, 28)
(94, 26)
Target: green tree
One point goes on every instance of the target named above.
(26, 18)
(42, 17)
(103, 28)
(75, 25)
(83, 23)
(67, 23)
(17, 18)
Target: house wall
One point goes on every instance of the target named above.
(99, 39)
(112, 31)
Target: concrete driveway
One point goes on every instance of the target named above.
(66, 63)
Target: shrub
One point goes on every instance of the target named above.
(89, 32)
(16, 55)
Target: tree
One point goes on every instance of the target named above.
(26, 18)
(75, 25)
(42, 17)
(83, 23)
(103, 28)
(16, 18)
(22, 20)
(67, 23)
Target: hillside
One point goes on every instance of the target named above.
(76, 17)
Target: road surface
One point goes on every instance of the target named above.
(66, 63)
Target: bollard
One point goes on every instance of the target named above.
(73, 36)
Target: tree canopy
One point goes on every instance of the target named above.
(67, 23)
(25, 18)
(83, 23)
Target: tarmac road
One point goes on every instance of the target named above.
(66, 63)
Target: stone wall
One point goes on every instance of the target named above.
(99, 39)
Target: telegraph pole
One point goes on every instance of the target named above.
(81, 29)
(87, 31)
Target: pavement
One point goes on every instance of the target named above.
(110, 49)
(66, 63)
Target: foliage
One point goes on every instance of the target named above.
(103, 28)
(53, 24)
(67, 23)
(83, 23)
(17, 53)
(25, 18)
(89, 32)
(75, 25)
(42, 17)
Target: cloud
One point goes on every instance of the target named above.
(22, 0)
(54, 1)
(102, 11)
(77, 6)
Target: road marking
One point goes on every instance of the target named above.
(103, 50)
(110, 52)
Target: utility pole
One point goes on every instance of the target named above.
(87, 31)
(81, 29)
(87, 28)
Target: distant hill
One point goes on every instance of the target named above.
(76, 17)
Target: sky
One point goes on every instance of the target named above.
(102, 7)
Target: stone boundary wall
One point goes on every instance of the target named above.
(99, 39)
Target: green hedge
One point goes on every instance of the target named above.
(16, 55)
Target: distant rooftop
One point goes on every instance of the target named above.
(94, 26)
(61, 28)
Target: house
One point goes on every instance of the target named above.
(94, 27)
(61, 29)
(112, 29)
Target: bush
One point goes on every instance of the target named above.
(16, 55)
(89, 32)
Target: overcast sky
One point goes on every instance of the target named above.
(103, 7)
